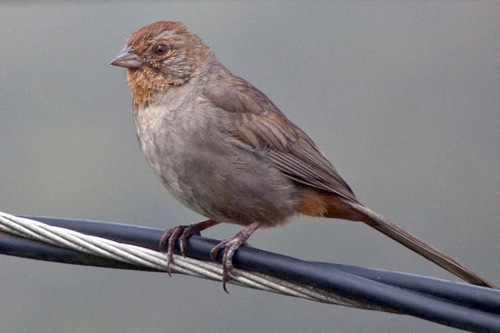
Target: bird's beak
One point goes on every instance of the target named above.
(127, 59)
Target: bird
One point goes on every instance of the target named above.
(223, 149)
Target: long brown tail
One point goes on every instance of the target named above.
(414, 243)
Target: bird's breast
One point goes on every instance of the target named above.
(162, 132)
(203, 169)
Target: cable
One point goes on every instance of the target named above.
(449, 303)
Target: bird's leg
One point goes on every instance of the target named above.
(230, 246)
(181, 233)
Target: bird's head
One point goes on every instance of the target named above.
(158, 56)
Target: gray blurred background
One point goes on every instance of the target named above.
(403, 97)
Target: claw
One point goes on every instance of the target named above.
(230, 246)
(181, 233)
(168, 240)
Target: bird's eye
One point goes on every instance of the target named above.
(161, 49)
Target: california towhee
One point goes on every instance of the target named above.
(223, 149)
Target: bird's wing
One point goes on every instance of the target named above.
(258, 125)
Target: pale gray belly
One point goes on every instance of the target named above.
(218, 179)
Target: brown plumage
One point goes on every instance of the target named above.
(223, 149)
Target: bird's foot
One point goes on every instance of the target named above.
(230, 246)
(181, 233)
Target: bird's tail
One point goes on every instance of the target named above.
(417, 245)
